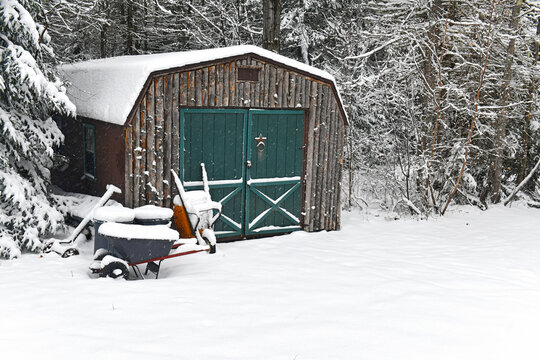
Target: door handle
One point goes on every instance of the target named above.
(248, 164)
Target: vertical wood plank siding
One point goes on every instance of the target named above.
(167, 139)
(137, 151)
(152, 134)
(316, 193)
(179, 94)
(128, 166)
(158, 185)
(150, 170)
(144, 149)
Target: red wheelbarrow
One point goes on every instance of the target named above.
(123, 245)
(129, 245)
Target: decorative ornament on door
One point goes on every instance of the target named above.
(260, 142)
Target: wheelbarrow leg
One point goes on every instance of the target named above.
(137, 271)
(153, 267)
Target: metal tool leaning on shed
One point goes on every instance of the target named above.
(125, 237)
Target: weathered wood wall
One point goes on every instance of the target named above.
(152, 132)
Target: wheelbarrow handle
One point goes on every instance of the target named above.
(216, 217)
(111, 189)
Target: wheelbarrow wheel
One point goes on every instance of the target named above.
(70, 252)
(115, 269)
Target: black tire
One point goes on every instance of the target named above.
(47, 248)
(115, 269)
(70, 252)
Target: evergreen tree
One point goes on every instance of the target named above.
(29, 94)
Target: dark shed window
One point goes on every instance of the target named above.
(89, 144)
(248, 74)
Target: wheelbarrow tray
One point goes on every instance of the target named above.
(137, 244)
(133, 244)
(137, 251)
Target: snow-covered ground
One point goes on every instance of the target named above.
(466, 286)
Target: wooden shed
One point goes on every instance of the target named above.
(269, 130)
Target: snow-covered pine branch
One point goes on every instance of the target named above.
(29, 95)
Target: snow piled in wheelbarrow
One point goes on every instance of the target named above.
(461, 287)
(148, 212)
(132, 231)
(114, 213)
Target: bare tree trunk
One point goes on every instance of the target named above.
(524, 161)
(351, 172)
(104, 30)
(103, 42)
(475, 114)
(130, 28)
(429, 188)
(430, 72)
(271, 24)
(145, 25)
(430, 81)
(500, 126)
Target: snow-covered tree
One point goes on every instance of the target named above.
(88, 29)
(29, 95)
(416, 76)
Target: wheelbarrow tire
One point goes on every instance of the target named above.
(70, 252)
(114, 270)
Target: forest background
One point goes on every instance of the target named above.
(441, 95)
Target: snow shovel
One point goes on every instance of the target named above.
(64, 247)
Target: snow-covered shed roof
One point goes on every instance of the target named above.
(107, 89)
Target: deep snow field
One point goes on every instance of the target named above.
(465, 286)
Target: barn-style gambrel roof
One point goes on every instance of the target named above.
(107, 89)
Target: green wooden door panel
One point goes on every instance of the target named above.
(273, 191)
(215, 137)
(261, 198)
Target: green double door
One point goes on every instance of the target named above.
(254, 163)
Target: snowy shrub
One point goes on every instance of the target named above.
(29, 94)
